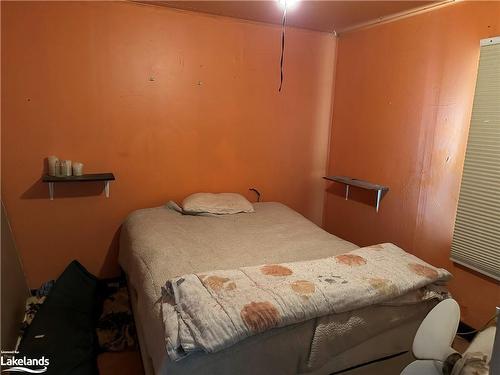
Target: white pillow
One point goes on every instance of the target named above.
(221, 204)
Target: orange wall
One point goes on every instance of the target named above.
(76, 83)
(403, 101)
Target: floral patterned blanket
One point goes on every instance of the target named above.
(214, 310)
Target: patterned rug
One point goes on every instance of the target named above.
(115, 328)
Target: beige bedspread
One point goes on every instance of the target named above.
(159, 243)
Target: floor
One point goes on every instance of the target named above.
(129, 363)
(123, 363)
(460, 344)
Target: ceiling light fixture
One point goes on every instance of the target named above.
(288, 4)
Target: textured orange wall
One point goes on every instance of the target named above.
(403, 100)
(76, 83)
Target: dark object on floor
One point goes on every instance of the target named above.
(44, 290)
(463, 327)
(63, 329)
(116, 328)
(33, 304)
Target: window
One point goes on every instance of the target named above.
(476, 240)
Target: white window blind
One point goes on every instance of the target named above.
(476, 239)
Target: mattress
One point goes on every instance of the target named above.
(159, 243)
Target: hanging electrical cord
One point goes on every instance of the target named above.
(497, 315)
(283, 24)
(256, 192)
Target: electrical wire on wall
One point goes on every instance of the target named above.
(282, 58)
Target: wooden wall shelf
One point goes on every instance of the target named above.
(105, 177)
(349, 181)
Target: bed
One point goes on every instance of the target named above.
(161, 243)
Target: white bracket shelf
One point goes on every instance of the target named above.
(348, 182)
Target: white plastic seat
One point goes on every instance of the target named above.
(432, 342)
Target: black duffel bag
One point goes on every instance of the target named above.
(63, 330)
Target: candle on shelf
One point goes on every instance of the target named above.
(77, 169)
(52, 161)
(67, 170)
(59, 168)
